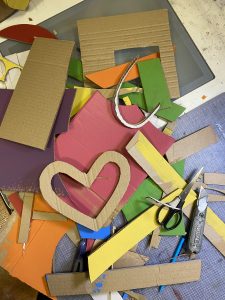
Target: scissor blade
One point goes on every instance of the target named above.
(189, 186)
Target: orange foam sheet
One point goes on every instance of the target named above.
(31, 265)
(111, 76)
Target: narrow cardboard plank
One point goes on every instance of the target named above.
(130, 259)
(28, 199)
(108, 253)
(124, 279)
(155, 239)
(145, 154)
(5, 11)
(214, 178)
(102, 36)
(111, 76)
(47, 62)
(191, 144)
(154, 84)
(47, 216)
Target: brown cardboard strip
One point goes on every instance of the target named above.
(130, 259)
(191, 144)
(47, 216)
(216, 198)
(214, 178)
(100, 37)
(28, 199)
(38, 94)
(65, 284)
(155, 238)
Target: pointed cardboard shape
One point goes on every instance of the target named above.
(102, 36)
(86, 179)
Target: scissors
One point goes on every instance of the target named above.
(174, 208)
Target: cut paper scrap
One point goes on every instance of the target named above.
(25, 33)
(191, 144)
(101, 234)
(7, 66)
(17, 4)
(78, 149)
(43, 239)
(214, 178)
(75, 69)
(111, 76)
(169, 114)
(106, 255)
(21, 165)
(35, 83)
(146, 155)
(86, 180)
(154, 84)
(137, 30)
(83, 94)
(5, 11)
(65, 284)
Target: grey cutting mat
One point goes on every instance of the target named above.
(211, 285)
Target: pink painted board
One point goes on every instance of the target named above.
(93, 131)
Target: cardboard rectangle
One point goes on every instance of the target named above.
(130, 259)
(124, 279)
(214, 178)
(191, 144)
(47, 216)
(36, 100)
(5, 11)
(102, 36)
(154, 84)
(28, 199)
(93, 131)
(111, 76)
(21, 165)
(145, 154)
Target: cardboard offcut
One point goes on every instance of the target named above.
(65, 284)
(36, 100)
(191, 144)
(130, 259)
(155, 239)
(86, 179)
(102, 36)
(214, 178)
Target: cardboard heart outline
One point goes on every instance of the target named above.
(86, 179)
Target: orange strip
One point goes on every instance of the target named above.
(110, 77)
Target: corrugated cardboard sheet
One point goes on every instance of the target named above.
(100, 37)
(38, 94)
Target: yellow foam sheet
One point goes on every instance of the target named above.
(104, 256)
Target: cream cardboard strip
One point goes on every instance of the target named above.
(108, 253)
(155, 239)
(214, 178)
(86, 179)
(216, 198)
(47, 216)
(73, 235)
(191, 144)
(125, 279)
(145, 154)
(102, 36)
(47, 62)
(28, 199)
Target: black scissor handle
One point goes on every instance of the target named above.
(170, 214)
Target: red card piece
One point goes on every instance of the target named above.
(25, 33)
(93, 131)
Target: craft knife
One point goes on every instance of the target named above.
(198, 223)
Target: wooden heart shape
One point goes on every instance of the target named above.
(86, 179)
